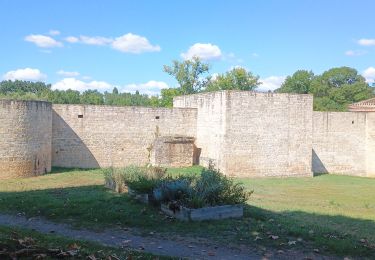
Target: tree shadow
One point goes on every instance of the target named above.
(97, 207)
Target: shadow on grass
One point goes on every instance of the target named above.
(65, 170)
(96, 207)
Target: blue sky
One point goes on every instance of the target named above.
(101, 44)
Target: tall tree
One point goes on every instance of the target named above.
(333, 90)
(237, 78)
(189, 74)
(299, 82)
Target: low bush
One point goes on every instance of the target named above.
(114, 180)
(139, 179)
(211, 188)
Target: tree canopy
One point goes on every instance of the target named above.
(333, 90)
(237, 78)
(189, 75)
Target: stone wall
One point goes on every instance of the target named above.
(211, 125)
(370, 144)
(88, 136)
(25, 138)
(343, 143)
(253, 134)
(173, 151)
(268, 134)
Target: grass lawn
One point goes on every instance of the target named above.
(37, 244)
(334, 214)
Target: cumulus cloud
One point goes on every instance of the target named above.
(355, 53)
(75, 84)
(96, 40)
(133, 43)
(369, 74)
(204, 51)
(68, 73)
(43, 41)
(24, 74)
(271, 83)
(151, 87)
(129, 43)
(54, 32)
(366, 42)
(71, 39)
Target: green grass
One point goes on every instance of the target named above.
(335, 214)
(10, 237)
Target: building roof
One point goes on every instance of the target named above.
(367, 105)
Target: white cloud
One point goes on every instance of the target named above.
(204, 51)
(54, 32)
(43, 41)
(366, 42)
(355, 53)
(96, 40)
(72, 39)
(68, 73)
(133, 43)
(24, 74)
(271, 83)
(75, 84)
(369, 74)
(151, 87)
(255, 55)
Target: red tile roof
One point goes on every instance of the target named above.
(367, 105)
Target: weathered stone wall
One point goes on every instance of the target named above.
(211, 125)
(173, 151)
(25, 138)
(88, 136)
(253, 134)
(344, 143)
(370, 144)
(268, 134)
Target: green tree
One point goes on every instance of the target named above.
(237, 78)
(333, 90)
(167, 96)
(189, 75)
(92, 97)
(299, 82)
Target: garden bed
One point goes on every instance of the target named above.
(141, 197)
(206, 213)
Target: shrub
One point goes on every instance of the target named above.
(114, 180)
(139, 179)
(212, 188)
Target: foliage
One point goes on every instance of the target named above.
(299, 82)
(189, 75)
(167, 96)
(237, 78)
(334, 90)
(211, 188)
(139, 179)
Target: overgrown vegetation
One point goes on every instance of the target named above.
(209, 188)
(139, 179)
